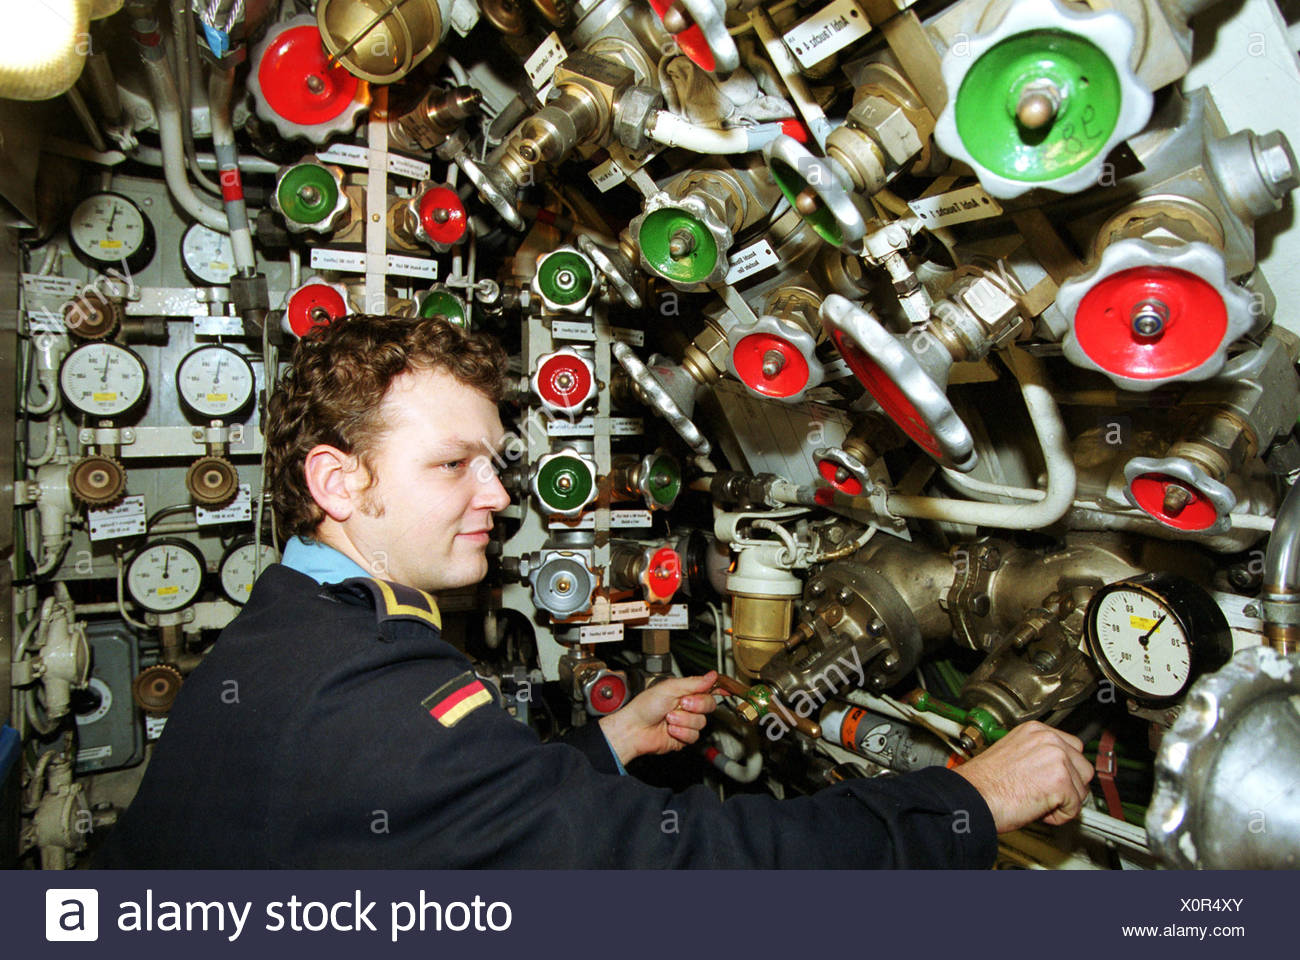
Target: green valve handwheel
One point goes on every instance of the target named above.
(662, 481)
(1042, 99)
(564, 483)
(564, 280)
(678, 246)
(817, 191)
(441, 303)
(309, 197)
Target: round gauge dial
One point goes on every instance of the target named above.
(166, 575)
(1153, 635)
(214, 382)
(207, 255)
(242, 565)
(103, 379)
(107, 229)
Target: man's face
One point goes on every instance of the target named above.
(424, 521)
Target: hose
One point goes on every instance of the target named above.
(672, 130)
(1281, 595)
(1062, 478)
(221, 86)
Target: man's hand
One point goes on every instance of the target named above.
(1034, 771)
(662, 719)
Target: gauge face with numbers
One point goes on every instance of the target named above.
(242, 565)
(207, 255)
(103, 379)
(166, 575)
(214, 382)
(108, 228)
(1153, 635)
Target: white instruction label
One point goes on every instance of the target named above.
(630, 518)
(626, 427)
(631, 610)
(408, 167)
(345, 155)
(60, 288)
(607, 175)
(600, 633)
(828, 31)
(41, 320)
(755, 257)
(956, 206)
(571, 428)
(219, 326)
(236, 511)
(153, 727)
(95, 753)
(351, 261)
(634, 338)
(124, 520)
(570, 330)
(412, 266)
(543, 61)
(677, 617)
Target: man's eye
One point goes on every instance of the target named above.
(454, 466)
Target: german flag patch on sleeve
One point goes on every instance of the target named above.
(456, 699)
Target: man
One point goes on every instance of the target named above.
(331, 726)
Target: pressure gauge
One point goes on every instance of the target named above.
(107, 229)
(207, 255)
(214, 382)
(242, 564)
(166, 575)
(1153, 635)
(103, 379)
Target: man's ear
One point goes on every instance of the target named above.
(333, 479)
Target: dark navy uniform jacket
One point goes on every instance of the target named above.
(332, 726)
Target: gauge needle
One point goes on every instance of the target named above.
(112, 219)
(104, 377)
(1146, 637)
(167, 559)
(216, 375)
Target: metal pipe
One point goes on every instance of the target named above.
(672, 130)
(221, 86)
(1281, 595)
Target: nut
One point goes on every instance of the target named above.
(889, 127)
(632, 113)
(1276, 162)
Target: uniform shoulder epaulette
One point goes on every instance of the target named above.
(390, 601)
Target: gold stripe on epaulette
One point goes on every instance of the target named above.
(396, 608)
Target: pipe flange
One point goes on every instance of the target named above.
(820, 190)
(700, 29)
(564, 280)
(212, 481)
(1227, 774)
(658, 398)
(899, 383)
(490, 193)
(97, 481)
(298, 90)
(1042, 99)
(614, 268)
(843, 471)
(682, 240)
(564, 483)
(309, 195)
(1178, 494)
(774, 359)
(155, 688)
(1149, 314)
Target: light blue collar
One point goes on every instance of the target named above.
(320, 561)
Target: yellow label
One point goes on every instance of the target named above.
(168, 591)
(1141, 623)
(218, 397)
(110, 244)
(103, 397)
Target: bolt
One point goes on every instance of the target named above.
(841, 474)
(676, 19)
(1176, 498)
(99, 478)
(441, 214)
(845, 595)
(309, 195)
(681, 244)
(773, 362)
(564, 381)
(816, 588)
(1276, 162)
(980, 605)
(660, 480)
(565, 279)
(891, 660)
(528, 152)
(1038, 105)
(807, 202)
(563, 585)
(1044, 661)
(605, 692)
(314, 83)
(1250, 610)
(876, 627)
(318, 315)
(564, 483)
(1150, 317)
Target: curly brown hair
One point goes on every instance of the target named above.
(338, 376)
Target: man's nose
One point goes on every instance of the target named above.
(492, 494)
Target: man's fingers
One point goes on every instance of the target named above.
(697, 704)
(692, 721)
(684, 734)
